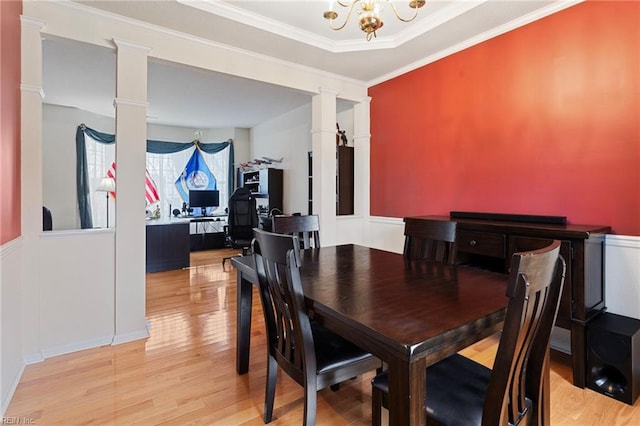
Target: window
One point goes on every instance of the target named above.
(164, 169)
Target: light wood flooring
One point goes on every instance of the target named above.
(184, 374)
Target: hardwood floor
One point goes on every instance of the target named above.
(185, 372)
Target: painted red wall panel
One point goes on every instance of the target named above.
(544, 119)
(10, 120)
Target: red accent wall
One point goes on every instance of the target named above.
(544, 120)
(10, 12)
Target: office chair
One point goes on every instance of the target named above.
(243, 217)
(462, 391)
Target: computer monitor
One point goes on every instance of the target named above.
(204, 199)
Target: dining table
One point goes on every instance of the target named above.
(410, 314)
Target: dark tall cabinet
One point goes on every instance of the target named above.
(310, 166)
(344, 180)
(266, 186)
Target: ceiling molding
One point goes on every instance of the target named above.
(487, 35)
(245, 17)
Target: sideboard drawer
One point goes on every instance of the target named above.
(484, 243)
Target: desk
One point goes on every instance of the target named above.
(169, 240)
(167, 244)
(409, 315)
(207, 232)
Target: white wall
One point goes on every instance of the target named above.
(288, 136)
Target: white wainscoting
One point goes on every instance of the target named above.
(77, 290)
(622, 275)
(385, 233)
(12, 365)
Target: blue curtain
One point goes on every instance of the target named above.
(154, 147)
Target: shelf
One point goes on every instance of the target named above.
(265, 185)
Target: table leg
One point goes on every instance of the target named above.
(578, 353)
(407, 393)
(243, 322)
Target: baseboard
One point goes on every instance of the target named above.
(77, 346)
(119, 339)
(33, 358)
(6, 398)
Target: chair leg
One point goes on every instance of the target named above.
(376, 407)
(270, 392)
(310, 403)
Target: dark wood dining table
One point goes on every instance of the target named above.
(409, 314)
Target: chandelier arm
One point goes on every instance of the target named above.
(345, 19)
(345, 4)
(395, 12)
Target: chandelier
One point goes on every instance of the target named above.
(369, 14)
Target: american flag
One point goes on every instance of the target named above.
(151, 190)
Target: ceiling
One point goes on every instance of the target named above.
(289, 30)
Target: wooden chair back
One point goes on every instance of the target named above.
(430, 240)
(515, 388)
(310, 354)
(306, 228)
(287, 322)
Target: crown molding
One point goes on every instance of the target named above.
(282, 29)
(131, 45)
(128, 102)
(32, 22)
(30, 88)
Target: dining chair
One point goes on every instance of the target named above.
(430, 240)
(310, 354)
(460, 391)
(307, 228)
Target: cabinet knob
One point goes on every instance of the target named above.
(473, 242)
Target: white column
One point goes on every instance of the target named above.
(131, 135)
(323, 145)
(31, 98)
(362, 163)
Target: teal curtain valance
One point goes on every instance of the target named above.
(153, 146)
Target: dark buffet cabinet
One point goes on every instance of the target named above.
(489, 240)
